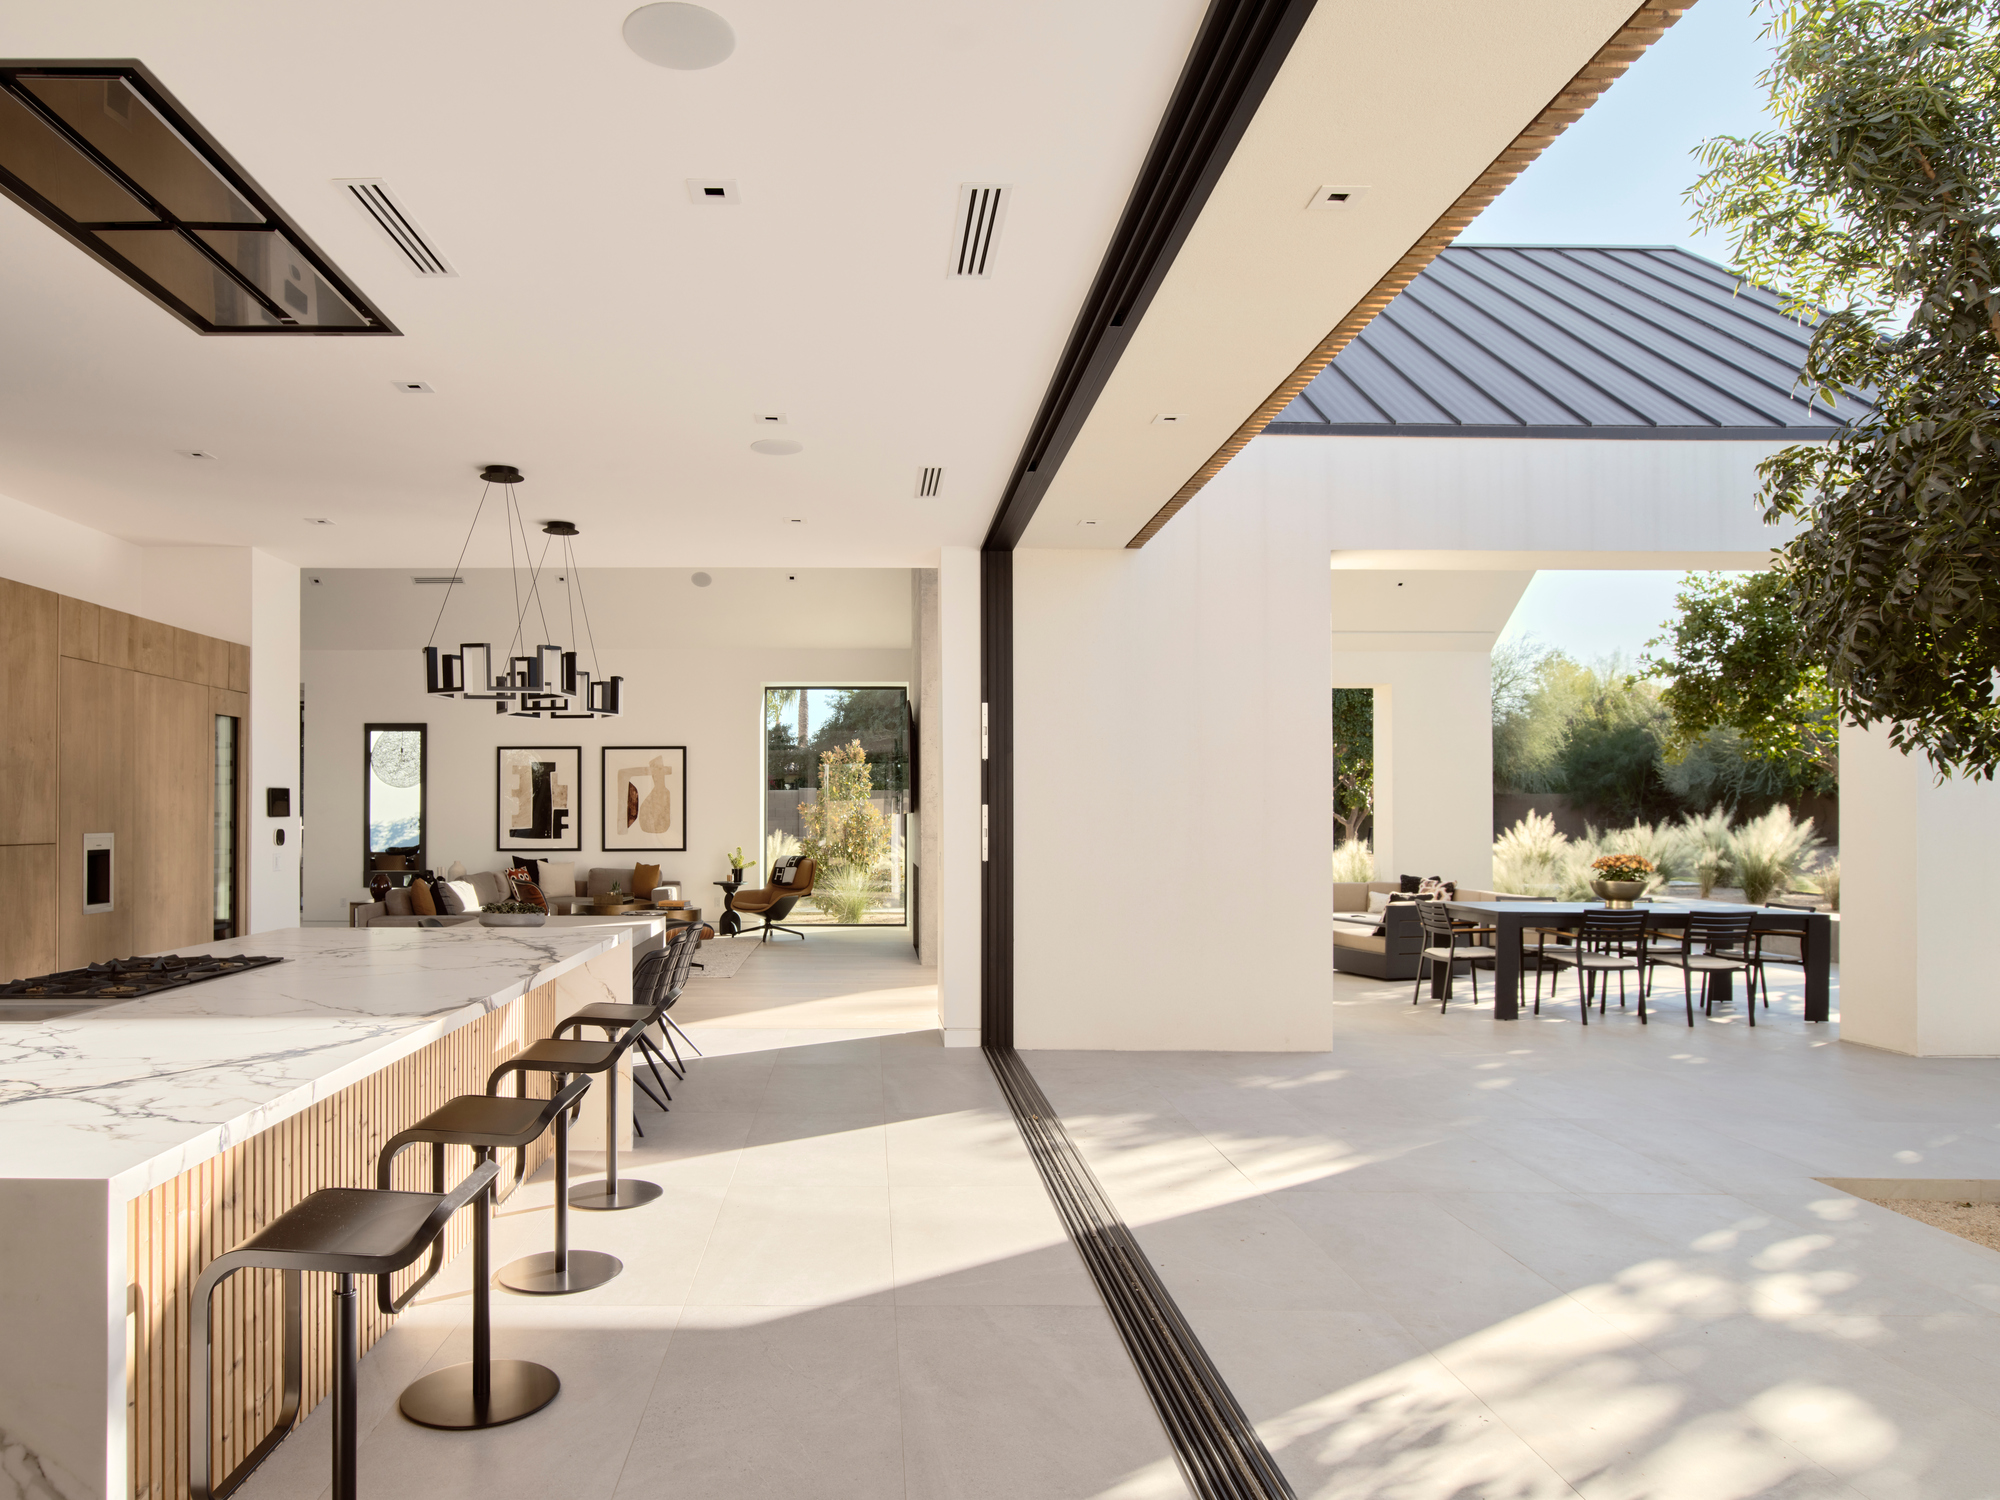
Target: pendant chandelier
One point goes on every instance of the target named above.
(545, 682)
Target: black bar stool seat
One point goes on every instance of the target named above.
(563, 1270)
(559, 1055)
(349, 1232)
(484, 1392)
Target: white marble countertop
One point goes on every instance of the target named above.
(136, 1093)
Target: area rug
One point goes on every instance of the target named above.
(721, 957)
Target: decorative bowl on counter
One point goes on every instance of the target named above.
(512, 919)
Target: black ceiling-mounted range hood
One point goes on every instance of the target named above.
(104, 155)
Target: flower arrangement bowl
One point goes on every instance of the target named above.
(1619, 893)
(512, 918)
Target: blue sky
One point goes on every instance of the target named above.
(1616, 178)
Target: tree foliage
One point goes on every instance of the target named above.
(843, 828)
(1734, 662)
(1353, 759)
(1876, 196)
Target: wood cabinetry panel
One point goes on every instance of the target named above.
(30, 629)
(97, 796)
(239, 668)
(79, 629)
(28, 896)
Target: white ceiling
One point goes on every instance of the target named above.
(1411, 100)
(614, 339)
(605, 334)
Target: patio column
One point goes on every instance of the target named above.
(1915, 973)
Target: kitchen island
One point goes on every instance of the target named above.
(141, 1140)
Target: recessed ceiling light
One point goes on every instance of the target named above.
(1086, 523)
(701, 580)
(776, 447)
(769, 418)
(1336, 195)
(316, 520)
(415, 388)
(196, 453)
(679, 36)
(712, 189)
(1169, 419)
(798, 520)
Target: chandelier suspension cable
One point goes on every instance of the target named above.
(484, 490)
(594, 668)
(513, 575)
(534, 582)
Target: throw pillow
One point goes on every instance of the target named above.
(1377, 900)
(1409, 883)
(459, 897)
(555, 877)
(421, 901)
(528, 891)
(644, 878)
(786, 870)
(398, 901)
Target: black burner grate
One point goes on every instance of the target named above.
(129, 978)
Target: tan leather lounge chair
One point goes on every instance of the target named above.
(773, 902)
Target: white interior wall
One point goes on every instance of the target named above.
(927, 820)
(1913, 976)
(203, 589)
(695, 662)
(959, 797)
(1171, 749)
(273, 741)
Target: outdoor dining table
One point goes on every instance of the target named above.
(1511, 919)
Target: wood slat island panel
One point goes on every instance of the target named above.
(177, 1228)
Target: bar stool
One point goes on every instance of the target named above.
(610, 1194)
(564, 1270)
(657, 981)
(487, 1392)
(349, 1232)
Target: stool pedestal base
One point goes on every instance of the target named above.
(627, 1192)
(444, 1398)
(537, 1275)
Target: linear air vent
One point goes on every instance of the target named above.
(982, 208)
(927, 483)
(437, 580)
(381, 205)
(106, 157)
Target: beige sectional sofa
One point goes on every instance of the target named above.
(1391, 953)
(491, 885)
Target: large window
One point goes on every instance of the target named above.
(393, 809)
(837, 789)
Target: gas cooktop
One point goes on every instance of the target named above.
(114, 980)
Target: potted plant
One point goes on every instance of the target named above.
(511, 914)
(612, 900)
(1621, 878)
(737, 865)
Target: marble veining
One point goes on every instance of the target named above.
(136, 1093)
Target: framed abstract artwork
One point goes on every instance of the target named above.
(645, 798)
(540, 793)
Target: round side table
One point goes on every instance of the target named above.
(729, 924)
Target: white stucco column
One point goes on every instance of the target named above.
(1914, 973)
(958, 916)
(1433, 759)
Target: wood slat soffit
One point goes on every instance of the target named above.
(1646, 25)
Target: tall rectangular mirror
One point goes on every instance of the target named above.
(393, 802)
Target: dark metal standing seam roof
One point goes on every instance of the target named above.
(1572, 341)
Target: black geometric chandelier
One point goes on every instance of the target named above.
(544, 682)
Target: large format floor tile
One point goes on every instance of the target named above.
(853, 1285)
(1530, 1259)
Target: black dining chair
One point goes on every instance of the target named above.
(1607, 942)
(1449, 943)
(1712, 943)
